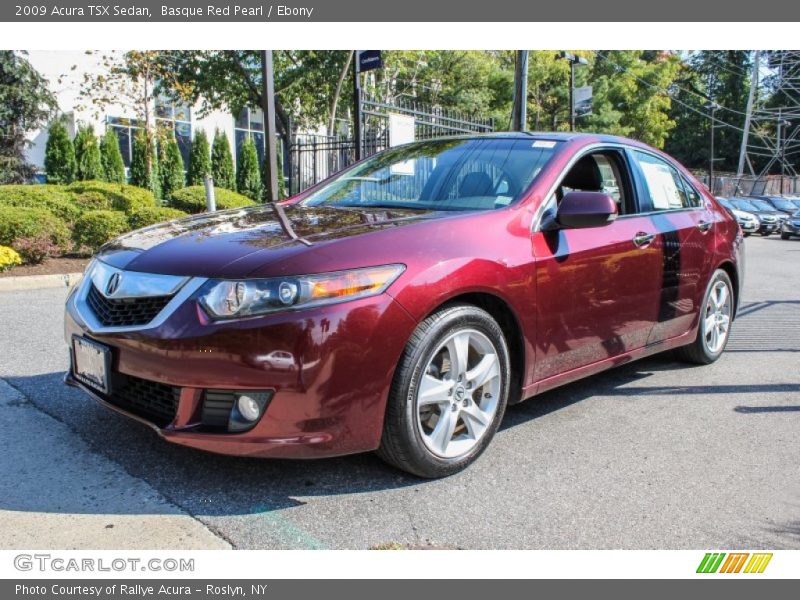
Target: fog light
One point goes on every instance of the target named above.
(249, 408)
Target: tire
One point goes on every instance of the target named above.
(765, 234)
(410, 440)
(785, 236)
(701, 351)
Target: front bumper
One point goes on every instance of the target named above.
(790, 228)
(329, 370)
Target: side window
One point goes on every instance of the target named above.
(694, 197)
(597, 172)
(664, 184)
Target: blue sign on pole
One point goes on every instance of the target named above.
(369, 59)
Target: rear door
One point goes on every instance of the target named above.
(685, 230)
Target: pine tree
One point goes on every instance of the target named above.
(248, 174)
(144, 166)
(222, 162)
(111, 158)
(173, 177)
(59, 155)
(199, 159)
(87, 155)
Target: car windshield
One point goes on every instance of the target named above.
(452, 174)
(744, 205)
(783, 204)
(796, 215)
(762, 205)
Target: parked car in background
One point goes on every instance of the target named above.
(791, 227)
(410, 298)
(769, 222)
(749, 222)
(784, 205)
(767, 207)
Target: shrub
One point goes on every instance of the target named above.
(199, 159)
(171, 168)
(59, 155)
(18, 222)
(96, 227)
(37, 248)
(222, 162)
(9, 258)
(150, 216)
(87, 155)
(144, 163)
(248, 174)
(193, 199)
(111, 158)
(54, 198)
(101, 195)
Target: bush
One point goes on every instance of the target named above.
(37, 248)
(111, 157)
(222, 162)
(54, 198)
(59, 155)
(18, 222)
(144, 163)
(199, 159)
(171, 168)
(101, 195)
(193, 199)
(96, 227)
(248, 173)
(150, 216)
(87, 155)
(8, 258)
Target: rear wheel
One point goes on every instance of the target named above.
(715, 322)
(785, 236)
(449, 393)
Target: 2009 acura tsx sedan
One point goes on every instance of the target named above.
(401, 305)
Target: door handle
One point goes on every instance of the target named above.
(704, 226)
(642, 239)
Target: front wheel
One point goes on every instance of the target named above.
(714, 328)
(785, 236)
(449, 393)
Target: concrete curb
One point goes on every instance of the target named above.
(38, 282)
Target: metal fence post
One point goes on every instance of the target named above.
(211, 199)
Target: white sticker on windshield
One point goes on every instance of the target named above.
(544, 144)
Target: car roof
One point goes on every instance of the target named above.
(560, 136)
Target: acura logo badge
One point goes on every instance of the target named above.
(113, 283)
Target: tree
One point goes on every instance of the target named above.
(26, 104)
(199, 159)
(173, 177)
(87, 155)
(222, 162)
(59, 155)
(144, 166)
(248, 174)
(111, 158)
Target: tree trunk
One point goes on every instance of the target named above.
(337, 94)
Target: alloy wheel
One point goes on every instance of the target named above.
(716, 323)
(458, 394)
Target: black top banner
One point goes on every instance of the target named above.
(405, 11)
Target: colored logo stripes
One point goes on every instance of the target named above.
(734, 562)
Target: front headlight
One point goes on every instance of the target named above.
(225, 299)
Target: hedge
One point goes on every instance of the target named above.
(193, 199)
(96, 227)
(54, 198)
(34, 225)
(150, 216)
(100, 195)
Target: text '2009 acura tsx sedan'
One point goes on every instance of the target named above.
(401, 305)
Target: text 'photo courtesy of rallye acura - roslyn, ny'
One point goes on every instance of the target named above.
(402, 304)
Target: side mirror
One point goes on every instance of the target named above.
(586, 209)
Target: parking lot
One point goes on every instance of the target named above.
(655, 454)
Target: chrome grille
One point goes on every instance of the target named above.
(124, 312)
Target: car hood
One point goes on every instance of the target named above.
(235, 243)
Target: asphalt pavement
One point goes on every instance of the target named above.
(654, 454)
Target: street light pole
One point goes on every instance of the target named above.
(268, 108)
(358, 135)
(711, 160)
(573, 60)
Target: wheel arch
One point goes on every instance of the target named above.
(733, 273)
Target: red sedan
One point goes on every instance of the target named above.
(401, 305)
